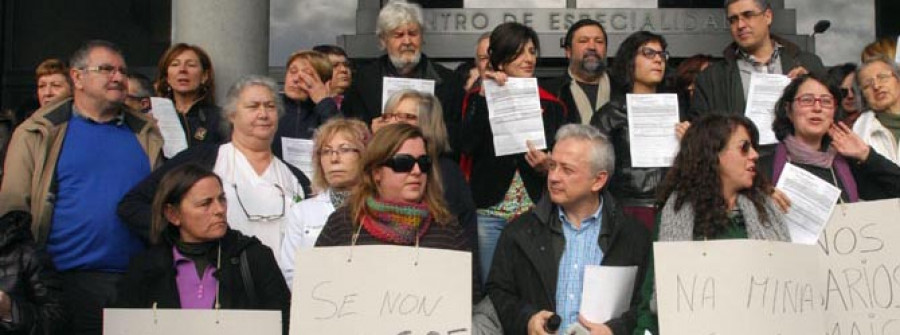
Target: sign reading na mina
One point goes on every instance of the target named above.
(558, 20)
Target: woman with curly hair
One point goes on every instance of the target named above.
(713, 192)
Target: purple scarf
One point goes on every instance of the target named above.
(804, 155)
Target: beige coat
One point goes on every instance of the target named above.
(32, 157)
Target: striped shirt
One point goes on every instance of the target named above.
(581, 250)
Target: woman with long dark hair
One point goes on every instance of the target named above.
(713, 191)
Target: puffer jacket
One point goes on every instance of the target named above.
(634, 187)
(29, 279)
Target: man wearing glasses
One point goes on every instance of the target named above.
(723, 86)
(69, 165)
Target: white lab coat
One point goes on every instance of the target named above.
(301, 233)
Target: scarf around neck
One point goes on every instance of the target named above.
(396, 222)
(678, 225)
(837, 163)
(801, 153)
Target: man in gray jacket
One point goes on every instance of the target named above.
(723, 86)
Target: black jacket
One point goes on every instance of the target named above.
(151, 278)
(203, 124)
(363, 99)
(301, 119)
(490, 176)
(524, 273)
(559, 86)
(135, 208)
(633, 186)
(29, 279)
(719, 88)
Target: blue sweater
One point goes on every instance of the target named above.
(98, 164)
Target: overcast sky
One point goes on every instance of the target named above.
(303, 24)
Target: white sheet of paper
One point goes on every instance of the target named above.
(651, 129)
(190, 322)
(515, 114)
(607, 291)
(812, 202)
(391, 85)
(298, 152)
(765, 90)
(382, 289)
(174, 140)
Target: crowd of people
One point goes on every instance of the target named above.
(93, 215)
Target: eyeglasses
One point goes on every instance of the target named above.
(881, 79)
(845, 92)
(650, 53)
(403, 117)
(809, 100)
(255, 217)
(746, 16)
(403, 163)
(106, 69)
(340, 151)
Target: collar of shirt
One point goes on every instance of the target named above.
(587, 222)
(770, 65)
(117, 121)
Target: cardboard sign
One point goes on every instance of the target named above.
(849, 283)
(190, 322)
(382, 290)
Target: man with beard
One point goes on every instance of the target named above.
(69, 164)
(399, 29)
(585, 86)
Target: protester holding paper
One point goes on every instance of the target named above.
(639, 72)
(261, 188)
(197, 261)
(506, 186)
(186, 76)
(339, 145)
(541, 258)
(811, 138)
(713, 191)
(307, 99)
(399, 199)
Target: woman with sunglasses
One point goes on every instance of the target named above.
(196, 261)
(260, 187)
(712, 191)
(640, 69)
(879, 81)
(338, 147)
(811, 138)
(424, 111)
(504, 187)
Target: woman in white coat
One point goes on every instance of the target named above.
(338, 145)
(880, 125)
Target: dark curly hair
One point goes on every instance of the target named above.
(508, 42)
(694, 175)
(622, 70)
(782, 125)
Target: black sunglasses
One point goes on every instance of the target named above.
(403, 163)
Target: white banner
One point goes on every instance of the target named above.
(190, 322)
(382, 290)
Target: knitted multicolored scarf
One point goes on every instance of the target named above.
(395, 222)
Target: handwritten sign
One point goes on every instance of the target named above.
(190, 322)
(382, 290)
(849, 283)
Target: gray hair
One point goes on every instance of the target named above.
(397, 13)
(79, 58)
(234, 93)
(431, 117)
(857, 85)
(145, 88)
(602, 157)
(761, 4)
